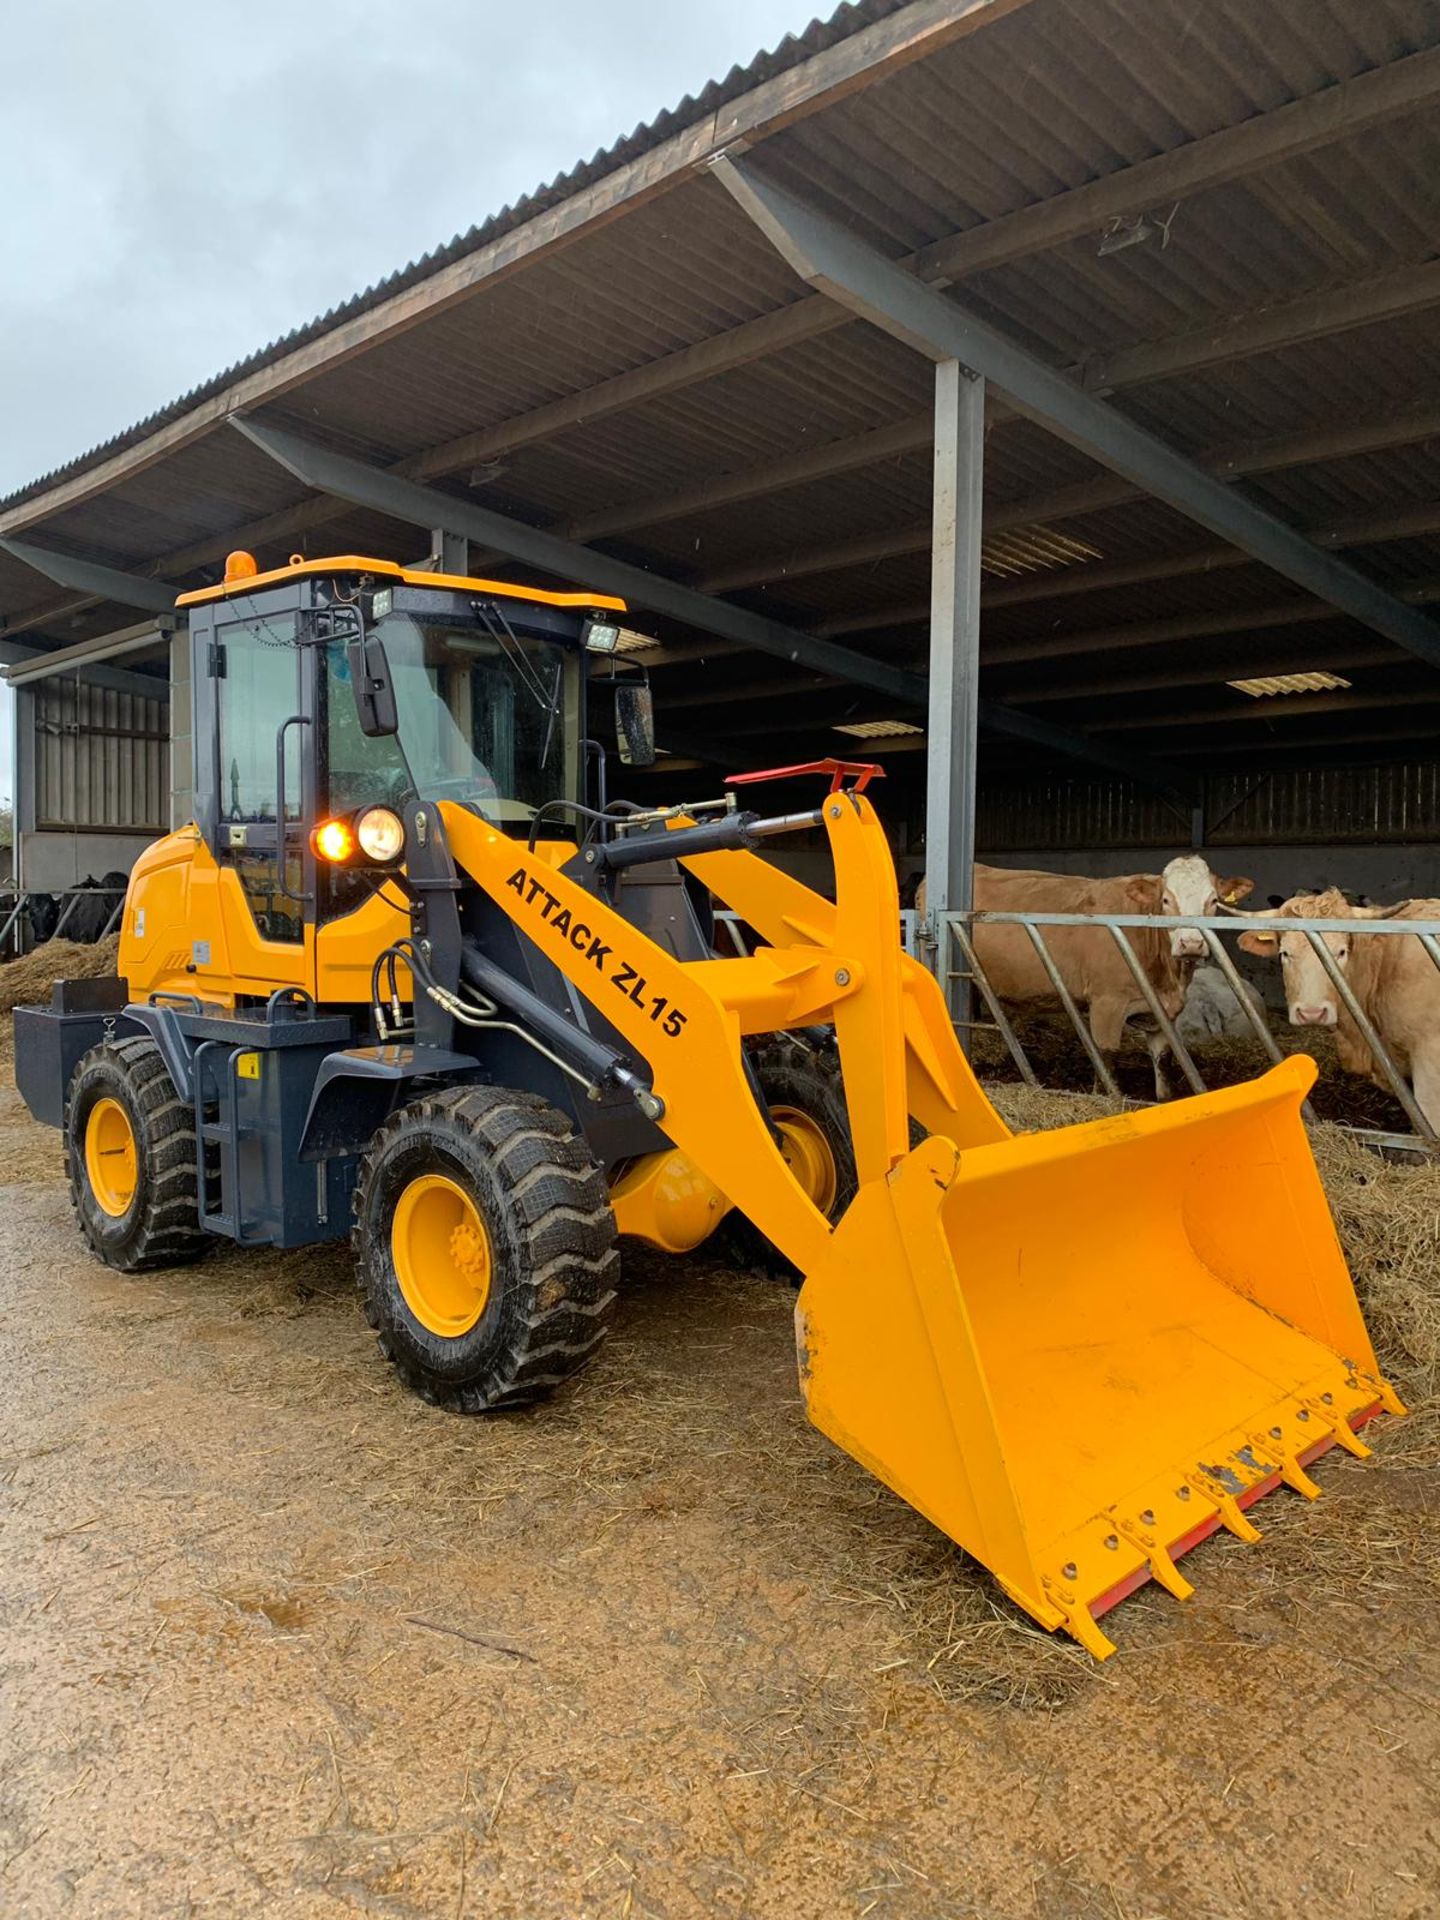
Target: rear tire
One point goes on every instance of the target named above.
(801, 1082)
(485, 1248)
(130, 1155)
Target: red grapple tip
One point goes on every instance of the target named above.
(864, 772)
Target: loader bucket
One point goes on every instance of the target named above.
(1079, 1353)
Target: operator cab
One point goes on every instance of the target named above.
(488, 687)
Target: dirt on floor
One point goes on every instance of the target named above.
(279, 1639)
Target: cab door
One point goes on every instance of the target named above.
(263, 802)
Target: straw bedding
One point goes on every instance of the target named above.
(1372, 1535)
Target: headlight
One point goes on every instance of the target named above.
(381, 835)
(601, 636)
(334, 841)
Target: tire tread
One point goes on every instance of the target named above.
(564, 1293)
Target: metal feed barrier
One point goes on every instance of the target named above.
(958, 966)
(13, 905)
(953, 959)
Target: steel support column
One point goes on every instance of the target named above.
(954, 655)
(449, 552)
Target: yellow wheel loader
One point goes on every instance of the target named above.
(411, 977)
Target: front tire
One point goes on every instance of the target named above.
(485, 1248)
(131, 1157)
(805, 1096)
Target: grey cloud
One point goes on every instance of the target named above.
(181, 183)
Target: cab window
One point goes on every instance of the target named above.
(362, 772)
(259, 689)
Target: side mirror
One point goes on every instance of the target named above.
(635, 723)
(374, 689)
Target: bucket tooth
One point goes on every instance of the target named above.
(1163, 1569)
(1228, 1508)
(1294, 1475)
(1386, 1395)
(1078, 1621)
(1344, 1435)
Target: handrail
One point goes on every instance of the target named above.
(1425, 1138)
(1222, 923)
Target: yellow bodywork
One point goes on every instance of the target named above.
(298, 567)
(1079, 1352)
(188, 928)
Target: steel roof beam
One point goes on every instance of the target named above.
(1271, 329)
(1257, 332)
(822, 252)
(1104, 640)
(1405, 728)
(1202, 673)
(1188, 626)
(1269, 139)
(1303, 126)
(90, 578)
(363, 486)
(1357, 531)
(1407, 427)
(1266, 330)
(1270, 708)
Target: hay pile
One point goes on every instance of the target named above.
(1388, 1216)
(1061, 1063)
(27, 981)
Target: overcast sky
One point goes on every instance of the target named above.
(183, 182)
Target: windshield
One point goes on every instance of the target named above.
(486, 717)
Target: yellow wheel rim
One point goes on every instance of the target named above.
(806, 1150)
(112, 1165)
(442, 1254)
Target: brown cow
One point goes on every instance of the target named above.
(1393, 979)
(1087, 958)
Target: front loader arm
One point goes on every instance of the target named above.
(686, 1019)
(940, 1089)
(1076, 1352)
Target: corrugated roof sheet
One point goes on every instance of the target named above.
(1059, 94)
(848, 18)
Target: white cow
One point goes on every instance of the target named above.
(1394, 981)
(1087, 958)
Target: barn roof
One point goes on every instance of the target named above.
(1224, 219)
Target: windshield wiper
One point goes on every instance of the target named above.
(501, 631)
(553, 715)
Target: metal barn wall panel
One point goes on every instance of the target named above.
(1060, 811)
(102, 758)
(1394, 804)
(1322, 806)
